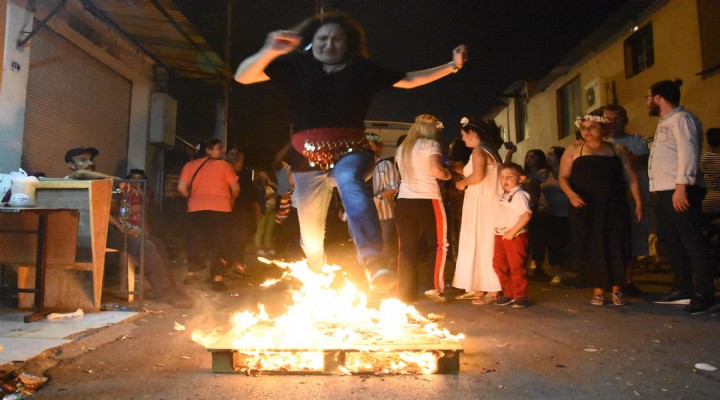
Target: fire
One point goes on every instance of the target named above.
(329, 322)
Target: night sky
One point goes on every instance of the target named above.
(508, 40)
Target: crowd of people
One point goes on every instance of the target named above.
(585, 207)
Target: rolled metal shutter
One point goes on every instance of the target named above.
(73, 100)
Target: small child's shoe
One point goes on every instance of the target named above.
(598, 299)
(521, 303)
(504, 301)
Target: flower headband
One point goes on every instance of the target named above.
(464, 122)
(589, 117)
(373, 137)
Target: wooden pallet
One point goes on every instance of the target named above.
(225, 359)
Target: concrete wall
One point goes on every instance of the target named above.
(676, 37)
(13, 89)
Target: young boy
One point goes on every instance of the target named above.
(511, 237)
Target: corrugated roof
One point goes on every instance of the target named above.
(161, 32)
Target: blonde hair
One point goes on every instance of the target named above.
(425, 127)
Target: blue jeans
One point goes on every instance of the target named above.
(313, 192)
(680, 235)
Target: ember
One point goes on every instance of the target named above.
(330, 329)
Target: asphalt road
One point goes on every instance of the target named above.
(559, 348)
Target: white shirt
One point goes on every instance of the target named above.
(675, 154)
(511, 206)
(416, 179)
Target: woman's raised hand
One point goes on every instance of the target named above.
(460, 55)
(282, 42)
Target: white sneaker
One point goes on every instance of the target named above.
(270, 252)
(435, 295)
(261, 252)
(556, 280)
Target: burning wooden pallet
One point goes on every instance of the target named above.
(418, 355)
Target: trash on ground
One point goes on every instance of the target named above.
(77, 314)
(705, 367)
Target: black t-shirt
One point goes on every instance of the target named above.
(322, 100)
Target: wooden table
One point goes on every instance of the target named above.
(72, 282)
(54, 230)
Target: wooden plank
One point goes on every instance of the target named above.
(228, 361)
(334, 359)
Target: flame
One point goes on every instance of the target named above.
(329, 313)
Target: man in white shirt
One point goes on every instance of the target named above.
(678, 189)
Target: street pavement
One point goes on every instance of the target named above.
(561, 347)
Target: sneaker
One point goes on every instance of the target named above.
(674, 297)
(435, 295)
(700, 305)
(598, 299)
(504, 301)
(270, 253)
(556, 280)
(380, 278)
(261, 253)
(521, 303)
(383, 280)
(618, 299)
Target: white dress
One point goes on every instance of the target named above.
(474, 270)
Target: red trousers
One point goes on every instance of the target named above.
(509, 265)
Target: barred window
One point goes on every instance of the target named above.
(639, 51)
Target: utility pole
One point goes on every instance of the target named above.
(223, 98)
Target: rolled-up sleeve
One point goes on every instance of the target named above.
(688, 136)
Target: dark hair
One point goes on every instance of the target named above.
(458, 151)
(354, 32)
(514, 166)
(616, 108)
(668, 90)
(713, 137)
(487, 131)
(136, 171)
(558, 151)
(207, 144)
(542, 160)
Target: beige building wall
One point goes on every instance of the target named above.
(677, 48)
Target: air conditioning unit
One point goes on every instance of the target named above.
(163, 113)
(595, 94)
